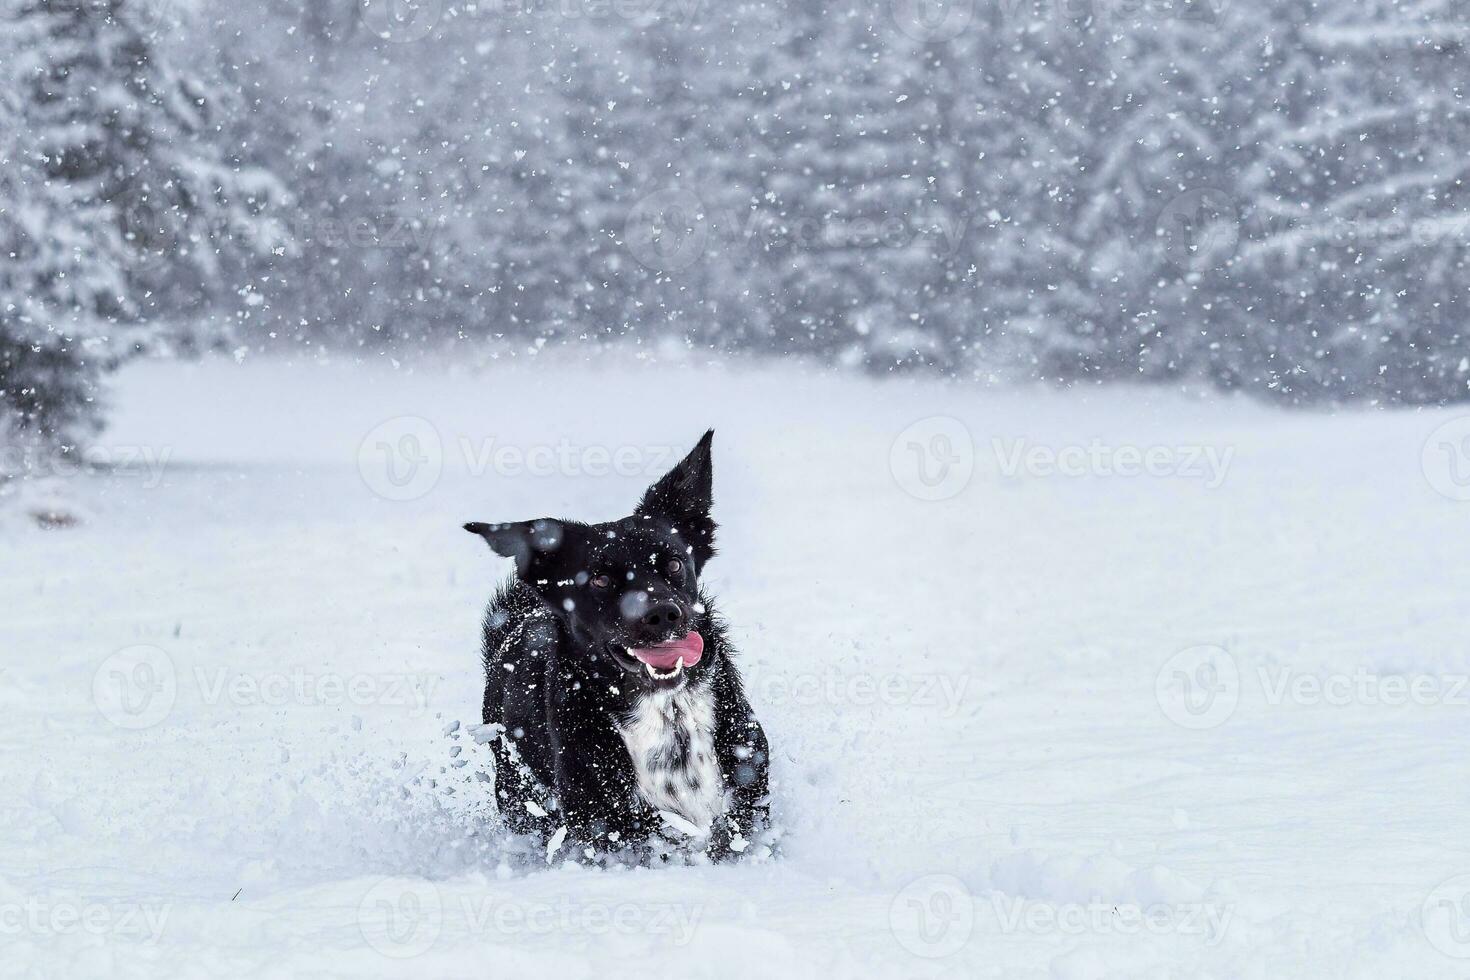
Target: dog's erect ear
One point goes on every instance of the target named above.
(529, 543)
(684, 495)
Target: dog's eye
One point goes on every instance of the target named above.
(675, 566)
(601, 582)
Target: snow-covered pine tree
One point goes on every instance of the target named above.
(1359, 195)
(836, 171)
(989, 150)
(121, 207)
(1097, 117)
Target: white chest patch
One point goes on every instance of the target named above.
(670, 738)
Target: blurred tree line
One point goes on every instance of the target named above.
(1259, 194)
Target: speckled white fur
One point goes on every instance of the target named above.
(685, 783)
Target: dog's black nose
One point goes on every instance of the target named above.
(662, 615)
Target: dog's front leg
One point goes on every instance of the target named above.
(599, 802)
(595, 782)
(743, 754)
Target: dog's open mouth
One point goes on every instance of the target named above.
(665, 661)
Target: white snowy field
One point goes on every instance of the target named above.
(1207, 719)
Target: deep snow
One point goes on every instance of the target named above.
(1049, 725)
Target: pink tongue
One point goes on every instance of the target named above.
(667, 655)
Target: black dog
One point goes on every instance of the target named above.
(623, 714)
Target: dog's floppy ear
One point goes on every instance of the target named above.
(529, 543)
(684, 495)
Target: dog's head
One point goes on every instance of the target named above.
(627, 589)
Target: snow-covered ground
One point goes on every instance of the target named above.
(1029, 717)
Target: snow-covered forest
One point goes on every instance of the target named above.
(1257, 194)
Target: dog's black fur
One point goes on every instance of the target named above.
(559, 678)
